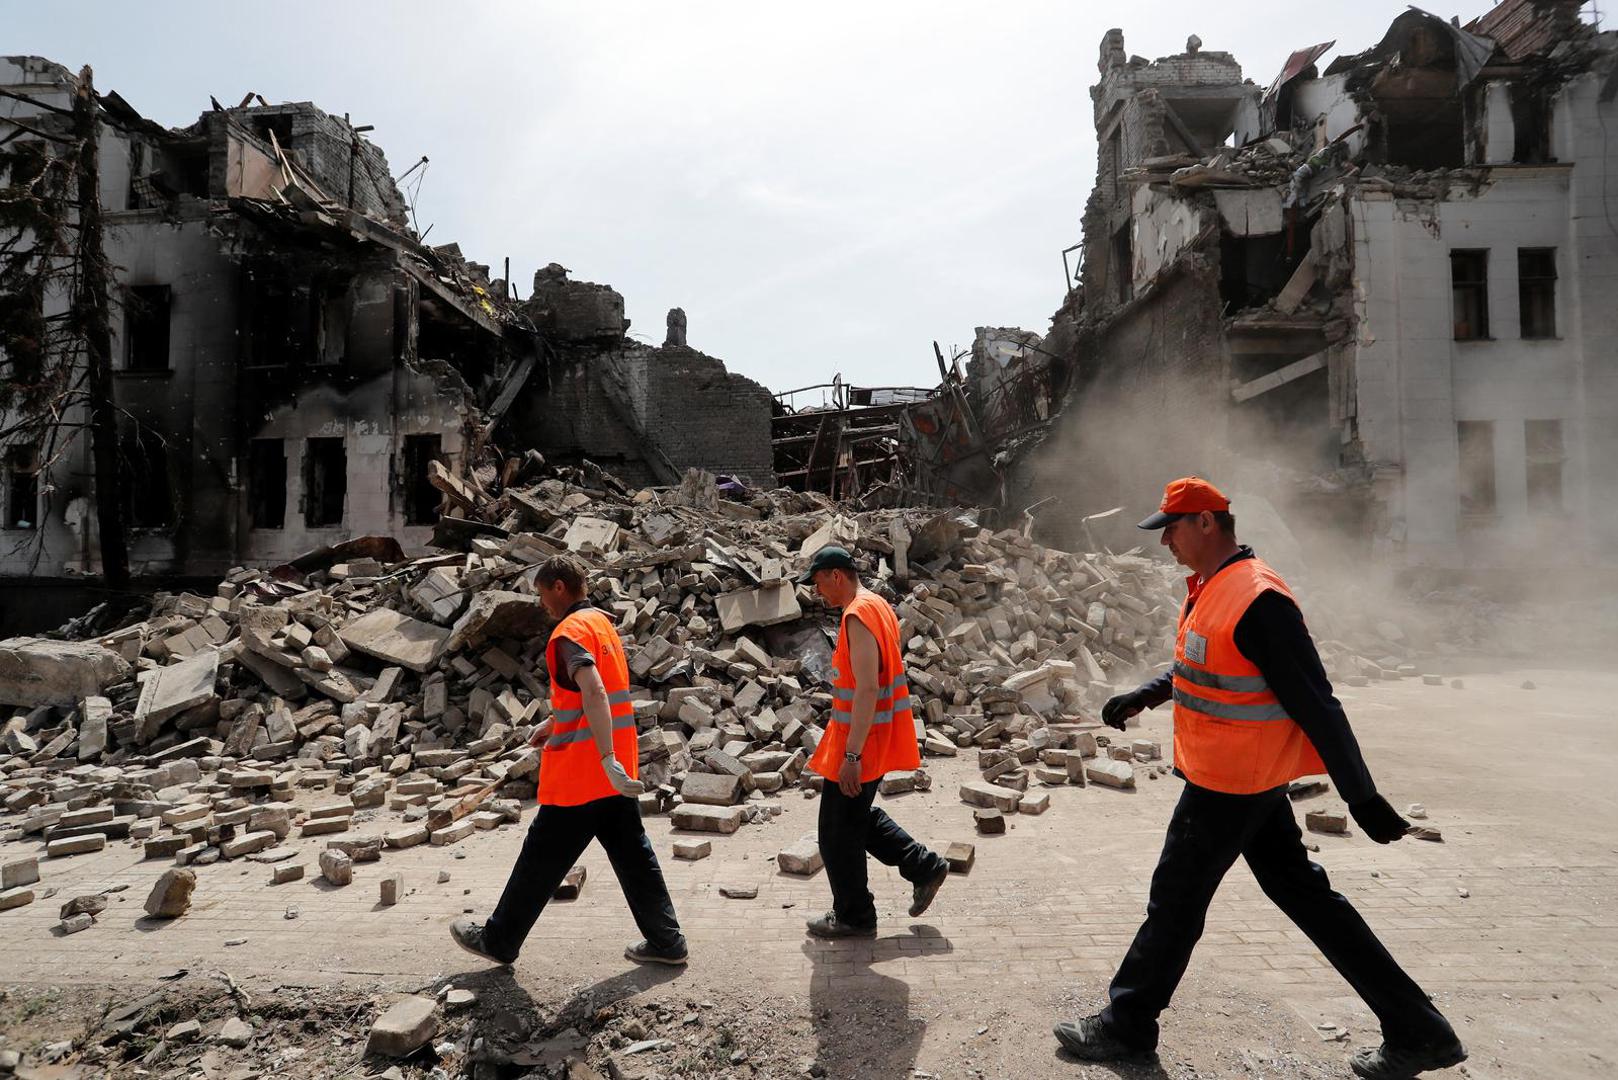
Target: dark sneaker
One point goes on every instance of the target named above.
(469, 936)
(830, 926)
(922, 892)
(1088, 1038)
(644, 952)
(1404, 1062)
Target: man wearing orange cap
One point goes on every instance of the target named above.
(1253, 711)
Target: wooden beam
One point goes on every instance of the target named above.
(1279, 377)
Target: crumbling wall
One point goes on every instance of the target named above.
(635, 407)
(1152, 404)
(373, 419)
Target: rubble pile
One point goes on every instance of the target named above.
(365, 680)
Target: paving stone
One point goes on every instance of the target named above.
(287, 872)
(960, 856)
(989, 822)
(716, 819)
(16, 872)
(74, 923)
(572, 884)
(323, 826)
(451, 834)
(75, 845)
(171, 894)
(1035, 804)
(15, 898)
(739, 892)
(1109, 773)
(1326, 821)
(991, 796)
(403, 1028)
(409, 836)
(692, 850)
(802, 858)
(90, 904)
(392, 889)
(336, 867)
(711, 789)
(247, 844)
(361, 849)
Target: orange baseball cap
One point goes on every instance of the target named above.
(1187, 495)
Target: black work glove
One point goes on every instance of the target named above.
(1120, 708)
(1380, 821)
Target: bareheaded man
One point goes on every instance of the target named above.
(871, 733)
(587, 785)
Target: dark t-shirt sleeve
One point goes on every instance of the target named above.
(1273, 636)
(571, 656)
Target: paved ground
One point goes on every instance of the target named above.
(1510, 923)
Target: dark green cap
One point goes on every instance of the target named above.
(830, 557)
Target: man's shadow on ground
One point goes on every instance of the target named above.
(861, 1017)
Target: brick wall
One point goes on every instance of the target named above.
(684, 403)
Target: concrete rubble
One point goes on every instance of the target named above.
(389, 704)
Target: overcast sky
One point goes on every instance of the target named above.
(825, 188)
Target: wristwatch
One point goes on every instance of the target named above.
(852, 758)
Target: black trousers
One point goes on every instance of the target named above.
(1208, 830)
(851, 828)
(556, 839)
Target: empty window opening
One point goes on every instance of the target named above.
(1115, 156)
(1531, 125)
(1476, 443)
(421, 499)
(146, 324)
(143, 461)
(1469, 279)
(267, 483)
(22, 487)
(1536, 291)
(325, 482)
(280, 323)
(1254, 269)
(22, 336)
(1123, 263)
(1543, 449)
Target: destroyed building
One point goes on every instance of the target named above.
(1379, 292)
(290, 359)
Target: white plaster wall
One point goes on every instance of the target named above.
(1415, 382)
(373, 420)
(1161, 227)
(1329, 96)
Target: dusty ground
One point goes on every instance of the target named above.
(1525, 963)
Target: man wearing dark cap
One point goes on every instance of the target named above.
(871, 732)
(1253, 711)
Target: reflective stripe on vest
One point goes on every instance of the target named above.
(570, 770)
(1231, 734)
(890, 743)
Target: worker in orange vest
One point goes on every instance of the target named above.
(871, 732)
(1253, 711)
(587, 785)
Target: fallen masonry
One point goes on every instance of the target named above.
(366, 708)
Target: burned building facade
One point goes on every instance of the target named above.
(1381, 293)
(290, 359)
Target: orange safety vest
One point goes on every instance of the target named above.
(891, 743)
(570, 771)
(1230, 732)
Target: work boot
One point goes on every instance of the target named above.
(644, 952)
(1389, 1062)
(922, 892)
(1089, 1038)
(470, 936)
(830, 926)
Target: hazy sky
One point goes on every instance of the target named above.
(825, 188)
